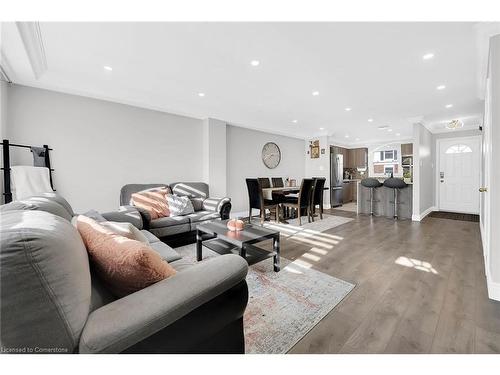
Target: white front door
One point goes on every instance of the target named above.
(485, 175)
(458, 174)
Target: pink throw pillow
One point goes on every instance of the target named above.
(154, 202)
(125, 265)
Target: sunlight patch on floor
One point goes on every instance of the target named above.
(416, 264)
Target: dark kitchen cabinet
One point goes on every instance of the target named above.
(346, 192)
(356, 158)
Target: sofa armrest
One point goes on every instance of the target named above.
(128, 214)
(129, 320)
(220, 205)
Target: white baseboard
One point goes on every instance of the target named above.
(420, 217)
(493, 290)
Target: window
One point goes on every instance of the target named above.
(389, 169)
(458, 149)
(385, 156)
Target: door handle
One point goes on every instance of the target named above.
(483, 189)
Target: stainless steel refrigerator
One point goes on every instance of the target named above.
(336, 177)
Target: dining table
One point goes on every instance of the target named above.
(268, 192)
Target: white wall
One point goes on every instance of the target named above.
(423, 171)
(214, 156)
(100, 146)
(244, 148)
(493, 268)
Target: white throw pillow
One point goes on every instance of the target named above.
(125, 230)
(179, 206)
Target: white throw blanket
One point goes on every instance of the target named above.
(27, 181)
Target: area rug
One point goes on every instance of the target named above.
(283, 306)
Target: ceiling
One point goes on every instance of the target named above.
(376, 69)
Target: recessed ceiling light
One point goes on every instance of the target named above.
(370, 120)
(255, 62)
(321, 128)
(348, 109)
(398, 134)
(383, 127)
(315, 93)
(389, 130)
(357, 139)
(428, 56)
(295, 121)
(201, 94)
(347, 135)
(448, 105)
(441, 87)
(108, 68)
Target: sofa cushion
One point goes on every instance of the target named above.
(125, 265)
(203, 216)
(179, 206)
(150, 236)
(45, 281)
(165, 251)
(125, 230)
(38, 204)
(169, 221)
(197, 203)
(154, 202)
(58, 199)
(171, 230)
(190, 189)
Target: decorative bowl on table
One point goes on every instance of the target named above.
(235, 225)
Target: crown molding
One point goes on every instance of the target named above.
(33, 44)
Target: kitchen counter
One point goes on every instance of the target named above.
(383, 201)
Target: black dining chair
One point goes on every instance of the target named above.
(256, 200)
(277, 182)
(317, 196)
(264, 182)
(303, 200)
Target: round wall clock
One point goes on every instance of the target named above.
(271, 155)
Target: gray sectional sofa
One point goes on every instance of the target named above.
(180, 229)
(51, 301)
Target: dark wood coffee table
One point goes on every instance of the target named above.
(217, 237)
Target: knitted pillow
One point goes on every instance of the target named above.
(124, 265)
(179, 205)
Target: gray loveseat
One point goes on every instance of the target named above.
(51, 302)
(179, 229)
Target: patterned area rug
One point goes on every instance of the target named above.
(283, 306)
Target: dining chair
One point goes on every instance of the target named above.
(264, 182)
(303, 200)
(277, 182)
(317, 196)
(256, 200)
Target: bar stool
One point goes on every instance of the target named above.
(371, 183)
(396, 184)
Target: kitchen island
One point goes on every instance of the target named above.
(383, 201)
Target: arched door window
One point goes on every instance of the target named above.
(458, 149)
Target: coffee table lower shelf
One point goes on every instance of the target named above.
(253, 254)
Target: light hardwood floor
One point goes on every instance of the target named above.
(420, 288)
